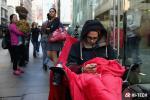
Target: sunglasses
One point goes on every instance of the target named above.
(92, 38)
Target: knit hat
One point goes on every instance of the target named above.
(93, 25)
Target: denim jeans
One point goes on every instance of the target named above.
(132, 50)
(44, 47)
(36, 46)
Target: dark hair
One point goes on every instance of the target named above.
(48, 16)
(53, 9)
(11, 17)
(33, 23)
(93, 25)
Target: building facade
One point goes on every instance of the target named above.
(11, 10)
(104, 10)
(3, 12)
(66, 11)
(11, 5)
(81, 11)
(37, 13)
(0, 10)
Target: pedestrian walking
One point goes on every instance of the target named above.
(35, 32)
(53, 47)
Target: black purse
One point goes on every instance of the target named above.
(5, 42)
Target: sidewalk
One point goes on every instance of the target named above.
(32, 85)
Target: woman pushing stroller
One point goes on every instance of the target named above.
(93, 43)
(92, 72)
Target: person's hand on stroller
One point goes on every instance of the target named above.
(89, 68)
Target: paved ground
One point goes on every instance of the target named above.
(145, 55)
(32, 85)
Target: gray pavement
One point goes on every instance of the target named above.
(32, 85)
(145, 68)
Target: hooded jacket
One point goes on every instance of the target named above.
(78, 54)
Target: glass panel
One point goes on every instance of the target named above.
(138, 38)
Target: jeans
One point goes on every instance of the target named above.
(44, 43)
(36, 46)
(133, 49)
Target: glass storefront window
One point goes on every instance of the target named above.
(138, 37)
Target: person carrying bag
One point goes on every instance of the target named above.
(58, 35)
(53, 25)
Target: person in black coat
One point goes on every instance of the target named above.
(34, 38)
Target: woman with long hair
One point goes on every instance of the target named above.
(91, 66)
(16, 43)
(93, 43)
(53, 24)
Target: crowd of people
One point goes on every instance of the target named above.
(19, 49)
(19, 41)
(92, 44)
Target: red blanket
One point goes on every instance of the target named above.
(106, 84)
(58, 93)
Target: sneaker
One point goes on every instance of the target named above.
(16, 72)
(20, 70)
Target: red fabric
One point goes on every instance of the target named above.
(58, 35)
(66, 49)
(58, 93)
(106, 84)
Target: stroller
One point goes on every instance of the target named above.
(59, 81)
(57, 91)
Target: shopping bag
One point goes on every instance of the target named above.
(58, 35)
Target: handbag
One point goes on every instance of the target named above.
(5, 42)
(58, 35)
